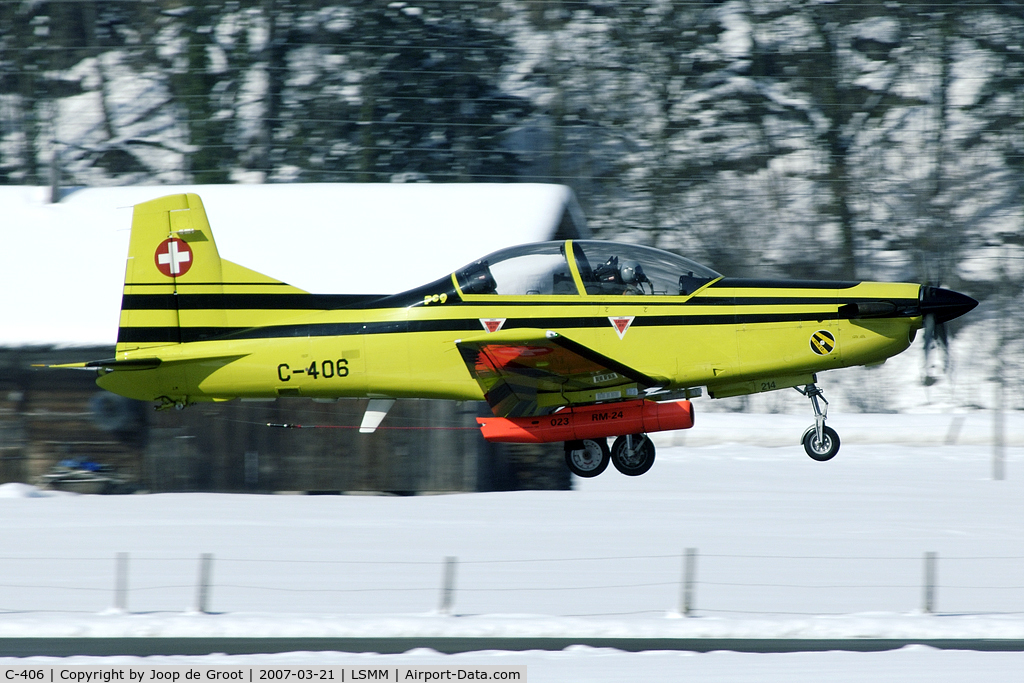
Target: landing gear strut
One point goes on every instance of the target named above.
(820, 442)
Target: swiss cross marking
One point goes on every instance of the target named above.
(173, 257)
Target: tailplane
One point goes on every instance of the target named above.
(178, 289)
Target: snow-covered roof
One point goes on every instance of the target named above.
(63, 264)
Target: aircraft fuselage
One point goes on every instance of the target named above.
(733, 337)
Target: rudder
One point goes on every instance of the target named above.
(177, 287)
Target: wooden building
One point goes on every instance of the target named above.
(48, 416)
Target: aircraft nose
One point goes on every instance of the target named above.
(944, 304)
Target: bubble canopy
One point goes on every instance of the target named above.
(583, 267)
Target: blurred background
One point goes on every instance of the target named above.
(838, 140)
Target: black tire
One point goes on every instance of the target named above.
(636, 462)
(587, 458)
(821, 451)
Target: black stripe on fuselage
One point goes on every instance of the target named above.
(751, 283)
(190, 334)
(903, 305)
(154, 335)
(246, 302)
(333, 302)
(764, 301)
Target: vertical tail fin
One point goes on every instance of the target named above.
(176, 286)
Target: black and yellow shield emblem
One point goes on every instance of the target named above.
(823, 342)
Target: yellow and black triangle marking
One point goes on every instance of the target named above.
(823, 342)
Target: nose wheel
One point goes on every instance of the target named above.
(823, 448)
(820, 442)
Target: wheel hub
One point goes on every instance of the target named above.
(585, 458)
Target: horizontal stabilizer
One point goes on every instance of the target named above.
(133, 364)
(113, 364)
(110, 364)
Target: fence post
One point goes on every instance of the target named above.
(998, 435)
(930, 566)
(203, 586)
(689, 580)
(448, 586)
(121, 582)
(1002, 336)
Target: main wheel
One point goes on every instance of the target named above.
(633, 459)
(823, 450)
(587, 458)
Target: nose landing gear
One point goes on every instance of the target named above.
(820, 442)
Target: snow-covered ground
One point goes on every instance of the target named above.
(787, 548)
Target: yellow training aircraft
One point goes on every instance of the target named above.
(573, 341)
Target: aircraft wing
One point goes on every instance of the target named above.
(531, 372)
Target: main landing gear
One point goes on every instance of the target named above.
(820, 442)
(587, 458)
(632, 455)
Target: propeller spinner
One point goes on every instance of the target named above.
(939, 306)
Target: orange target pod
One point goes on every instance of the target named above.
(590, 422)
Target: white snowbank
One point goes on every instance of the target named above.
(185, 625)
(16, 490)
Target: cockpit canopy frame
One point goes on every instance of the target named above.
(568, 268)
